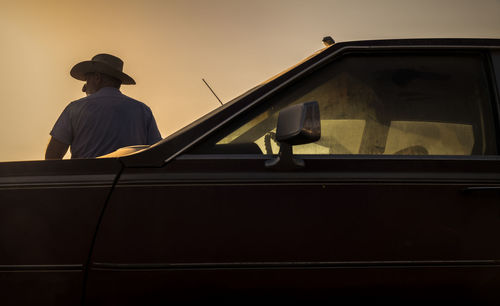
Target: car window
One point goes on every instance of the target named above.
(405, 104)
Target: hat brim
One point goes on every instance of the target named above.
(81, 69)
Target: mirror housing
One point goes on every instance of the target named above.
(297, 124)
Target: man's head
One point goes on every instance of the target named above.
(103, 70)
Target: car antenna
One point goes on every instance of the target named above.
(212, 91)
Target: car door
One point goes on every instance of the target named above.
(49, 212)
(398, 200)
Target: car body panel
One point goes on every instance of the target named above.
(343, 213)
(49, 212)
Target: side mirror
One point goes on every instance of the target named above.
(297, 124)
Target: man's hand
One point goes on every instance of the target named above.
(56, 149)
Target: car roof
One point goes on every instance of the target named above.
(178, 142)
(416, 42)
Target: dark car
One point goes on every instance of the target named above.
(398, 200)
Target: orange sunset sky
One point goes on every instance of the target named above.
(169, 46)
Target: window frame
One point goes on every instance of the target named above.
(492, 64)
(483, 54)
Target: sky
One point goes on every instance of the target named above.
(169, 46)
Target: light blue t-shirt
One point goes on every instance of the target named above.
(104, 122)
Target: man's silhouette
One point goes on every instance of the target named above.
(106, 119)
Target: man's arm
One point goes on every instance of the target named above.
(153, 133)
(56, 149)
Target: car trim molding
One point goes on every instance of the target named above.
(296, 265)
(312, 178)
(57, 181)
(342, 156)
(14, 268)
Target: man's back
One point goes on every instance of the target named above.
(104, 122)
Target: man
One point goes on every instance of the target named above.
(105, 120)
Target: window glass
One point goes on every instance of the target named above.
(404, 104)
(429, 138)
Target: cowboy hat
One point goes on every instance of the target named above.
(103, 63)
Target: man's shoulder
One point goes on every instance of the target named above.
(76, 103)
(79, 100)
(136, 102)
